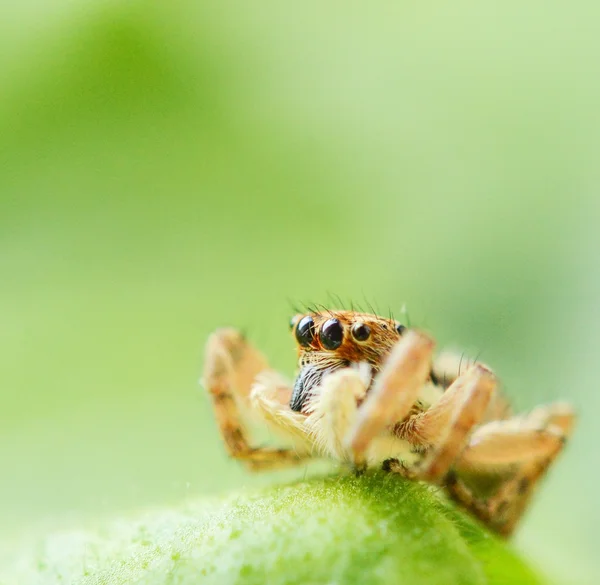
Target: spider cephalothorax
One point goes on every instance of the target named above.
(369, 392)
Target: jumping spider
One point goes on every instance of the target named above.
(370, 393)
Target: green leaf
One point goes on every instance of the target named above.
(372, 529)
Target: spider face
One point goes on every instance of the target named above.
(330, 340)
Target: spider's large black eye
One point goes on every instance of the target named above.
(360, 331)
(305, 331)
(400, 328)
(332, 334)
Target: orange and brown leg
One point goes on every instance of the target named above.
(230, 369)
(442, 431)
(393, 395)
(515, 453)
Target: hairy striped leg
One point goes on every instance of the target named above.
(394, 393)
(498, 471)
(442, 431)
(231, 366)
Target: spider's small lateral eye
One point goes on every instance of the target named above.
(361, 331)
(332, 334)
(305, 331)
(400, 328)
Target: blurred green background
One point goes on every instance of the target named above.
(167, 168)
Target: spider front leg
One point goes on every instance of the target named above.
(333, 409)
(443, 429)
(496, 474)
(230, 369)
(394, 392)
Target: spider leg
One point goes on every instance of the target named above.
(449, 365)
(230, 368)
(333, 409)
(393, 394)
(270, 398)
(511, 456)
(559, 414)
(444, 428)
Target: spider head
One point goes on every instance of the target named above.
(330, 340)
